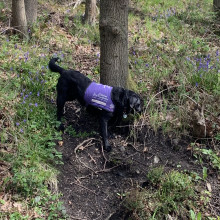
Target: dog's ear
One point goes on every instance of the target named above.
(120, 96)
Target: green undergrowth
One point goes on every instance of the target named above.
(174, 59)
(173, 64)
(71, 131)
(174, 56)
(27, 114)
(167, 195)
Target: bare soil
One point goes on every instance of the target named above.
(94, 182)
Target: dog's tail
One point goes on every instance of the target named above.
(54, 67)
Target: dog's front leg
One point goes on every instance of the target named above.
(104, 118)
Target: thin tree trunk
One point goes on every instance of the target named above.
(19, 21)
(90, 12)
(113, 27)
(31, 11)
(216, 5)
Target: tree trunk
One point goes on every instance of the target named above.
(216, 5)
(19, 21)
(31, 11)
(90, 12)
(113, 27)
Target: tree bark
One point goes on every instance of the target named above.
(90, 12)
(19, 21)
(113, 27)
(31, 11)
(216, 5)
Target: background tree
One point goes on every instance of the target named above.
(19, 21)
(90, 12)
(113, 27)
(31, 11)
(216, 5)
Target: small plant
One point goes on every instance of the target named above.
(70, 130)
(154, 176)
(209, 155)
(174, 193)
(194, 216)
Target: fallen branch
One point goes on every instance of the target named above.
(86, 165)
(81, 144)
(106, 170)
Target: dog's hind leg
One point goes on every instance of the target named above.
(61, 99)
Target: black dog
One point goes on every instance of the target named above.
(110, 102)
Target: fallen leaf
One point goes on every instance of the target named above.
(189, 147)
(60, 143)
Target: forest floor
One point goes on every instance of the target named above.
(94, 183)
(174, 63)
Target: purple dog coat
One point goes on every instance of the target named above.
(99, 95)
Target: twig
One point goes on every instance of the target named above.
(191, 99)
(104, 157)
(106, 170)
(160, 93)
(109, 216)
(78, 146)
(77, 3)
(92, 159)
(71, 3)
(82, 177)
(125, 126)
(154, 97)
(85, 188)
(202, 107)
(85, 165)
(11, 28)
(133, 145)
(81, 144)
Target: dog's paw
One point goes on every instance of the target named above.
(108, 148)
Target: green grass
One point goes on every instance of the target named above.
(26, 90)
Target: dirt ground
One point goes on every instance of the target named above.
(94, 182)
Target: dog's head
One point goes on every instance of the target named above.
(135, 102)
